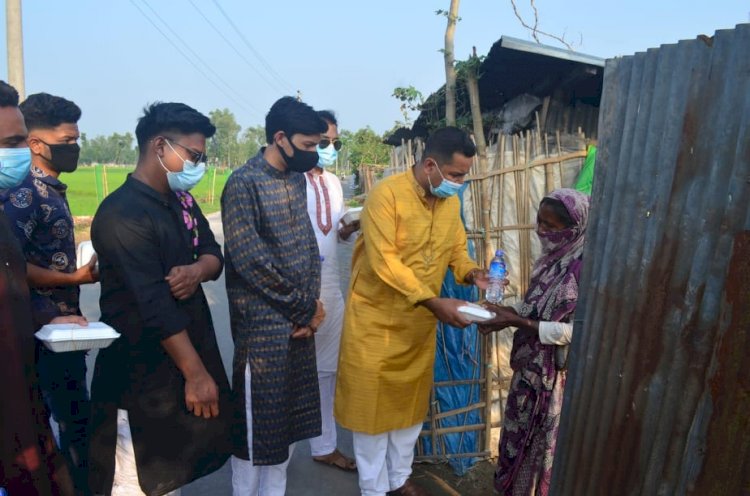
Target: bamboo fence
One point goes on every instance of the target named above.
(366, 178)
(522, 168)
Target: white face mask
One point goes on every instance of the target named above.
(188, 177)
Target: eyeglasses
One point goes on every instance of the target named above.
(337, 144)
(196, 156)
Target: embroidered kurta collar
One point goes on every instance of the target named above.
(421, 193)
(325, 224)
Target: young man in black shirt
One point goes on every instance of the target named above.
(160, 394)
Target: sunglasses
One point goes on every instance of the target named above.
(337, 144)
(196, 156)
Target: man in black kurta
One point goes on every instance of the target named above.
(162, 383)
(273, 285)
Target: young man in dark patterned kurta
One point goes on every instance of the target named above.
(273, 285)
(39, 214)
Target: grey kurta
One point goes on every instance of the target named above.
(273, 282)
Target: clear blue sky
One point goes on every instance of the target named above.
(345, 55)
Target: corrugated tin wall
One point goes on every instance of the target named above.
(658, 395)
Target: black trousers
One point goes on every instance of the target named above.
(62, 378)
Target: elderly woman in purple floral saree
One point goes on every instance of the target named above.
(543, 319)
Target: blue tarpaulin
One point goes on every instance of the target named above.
(458, 357)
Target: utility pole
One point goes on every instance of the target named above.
(14, 30)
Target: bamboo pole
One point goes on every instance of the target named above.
(433, 422)
(524, 166)
(501, 182)
(449, 456)
(105, 183)
(213, 187)
(521, 168)
(472, 86)
(461, 428)
(498, 378)
(449, 60)
(525, 241)
(457, 411)
(545, 111)
(488, 392)
(459, 382)
(443, 485)
(497, 185)
(443, 448)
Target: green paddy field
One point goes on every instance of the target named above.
(88, 185)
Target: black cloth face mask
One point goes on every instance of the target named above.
(64, 157)
(301, 161)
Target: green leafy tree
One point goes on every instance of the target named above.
(411, 100)
(251, 141)
(113, 149)
(224, 147)
(365, 146)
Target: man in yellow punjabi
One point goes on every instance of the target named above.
(411, 234)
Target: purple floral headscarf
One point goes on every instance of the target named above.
(553, 290)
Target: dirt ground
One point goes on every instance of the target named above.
(440, 480)
(82, 227)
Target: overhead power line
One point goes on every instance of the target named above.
(201, 60)
(257, 54)
(248, 107)
(273, 84)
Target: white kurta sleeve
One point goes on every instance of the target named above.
(558, 333)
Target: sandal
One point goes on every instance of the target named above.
(338, 460)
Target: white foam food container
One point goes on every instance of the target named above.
(84, 253)
(352, 214)
(73, 337)
(475, 313)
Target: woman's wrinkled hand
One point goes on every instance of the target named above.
(504, 317)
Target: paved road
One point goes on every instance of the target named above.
(305, 477)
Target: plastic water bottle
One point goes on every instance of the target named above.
(497, 275)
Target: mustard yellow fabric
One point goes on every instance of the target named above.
(388, 342)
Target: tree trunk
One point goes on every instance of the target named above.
(472, 86)
(450, 69)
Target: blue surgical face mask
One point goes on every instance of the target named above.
(446, 188)
(327, 156)
(188, 177)
(14, 166)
